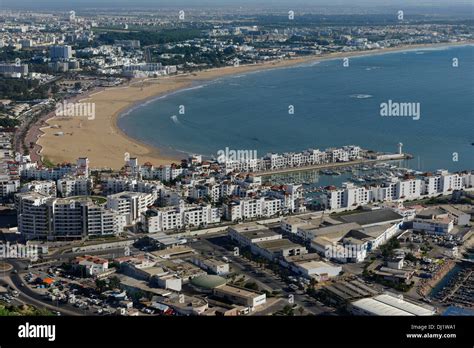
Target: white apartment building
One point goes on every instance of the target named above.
(121, 184)
(45, 187)
(31, 171)
(333, 198)
(47, 173)
(290, 197)
(350, 195)
(184, 215)
(468, 180)
(130, 204)
(271, 206)
(41, 216)
(200, 215)
(164, 219)
(104, 222)
(68, 218)
(170, 197)
(408, 189)
(33, 215)
(213, 191)
(442, 183)
(74, 186)
(244, 208)
(162, 173)
(82, 167)
(9, 187)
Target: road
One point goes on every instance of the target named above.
(29, 296)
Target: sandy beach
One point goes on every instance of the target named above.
(105, 144)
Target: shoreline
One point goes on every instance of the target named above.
(106, 144)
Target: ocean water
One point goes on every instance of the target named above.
(333, 106)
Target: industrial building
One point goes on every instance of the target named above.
(389, 305)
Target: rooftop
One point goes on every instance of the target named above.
(372, 217)
(279, 244)
(314, 264)
(375, 231)
(208, 281)
(248, 227)
(237, 291)
(259, 234)
(340, 229)
(386, 304)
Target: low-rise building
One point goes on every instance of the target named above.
(248, 234)
(433, 221)
(240, 296)
(278, 248)
(93, 265)
(211, 265)
(389, 305)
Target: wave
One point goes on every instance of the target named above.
(309, 64)
(175, 119)
(361, 96)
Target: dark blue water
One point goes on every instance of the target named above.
(333, 106)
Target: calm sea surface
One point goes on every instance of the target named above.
(333, 106)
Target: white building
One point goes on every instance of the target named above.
(60, 52)
(45, 187)
(93, 265)
(319, 270)
(70, 186)
(433, 221)
(9, 187)
(177, 217)
(121, 184)
(41, 216)
(211, 265)
(248, 234)
(389, 305)
(130, 204)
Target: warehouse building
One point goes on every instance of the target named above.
(389, 305)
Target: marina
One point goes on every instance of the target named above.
(315, 181)
(458, 287)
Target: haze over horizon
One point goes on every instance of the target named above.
(347, 6)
